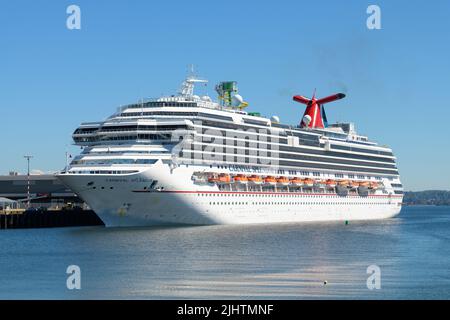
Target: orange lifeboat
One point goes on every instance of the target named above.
(255, 179)
(296, 181)
(364, 183)
(213, 178)
(343, 183)
(330, 183)
(354, 184)
(270, 180)
(283, 180)
(240, 178)
(319, 183)
(224, 178)
(308, 182)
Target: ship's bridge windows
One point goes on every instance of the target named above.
(159, 104)
(102, 172)
(82, 140)
(134, 137)
(124, 152)
(114, 161)
(85, 130)
(155, 136)
(162, 113)
(142, 128)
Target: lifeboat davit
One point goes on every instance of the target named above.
(255, 179)
(283, 181)
(296, 181)
(308, 182)
(330, 183)
(270, 180)
(240, 178)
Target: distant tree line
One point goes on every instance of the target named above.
(429, 197)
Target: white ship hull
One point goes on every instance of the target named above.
(122, 201)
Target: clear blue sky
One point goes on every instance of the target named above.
(397, 79)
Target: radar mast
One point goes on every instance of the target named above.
(187, 87)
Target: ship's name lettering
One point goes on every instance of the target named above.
(116, 180)
(141, 180)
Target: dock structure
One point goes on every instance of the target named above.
(19, 219)
(44, 190)
(41, 201)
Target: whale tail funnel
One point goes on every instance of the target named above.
(315, 116)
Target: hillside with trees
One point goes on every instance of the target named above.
(429, 197)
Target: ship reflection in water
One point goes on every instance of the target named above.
(287, 261)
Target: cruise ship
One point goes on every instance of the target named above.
(186, 159)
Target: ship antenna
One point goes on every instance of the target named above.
(187, 87)
(191, 71)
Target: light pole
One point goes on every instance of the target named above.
(28, 180)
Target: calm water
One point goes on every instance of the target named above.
(288, 261)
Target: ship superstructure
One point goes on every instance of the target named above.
(186, 159)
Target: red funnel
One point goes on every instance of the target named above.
(313, 109)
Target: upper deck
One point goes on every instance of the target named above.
(159, 114)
